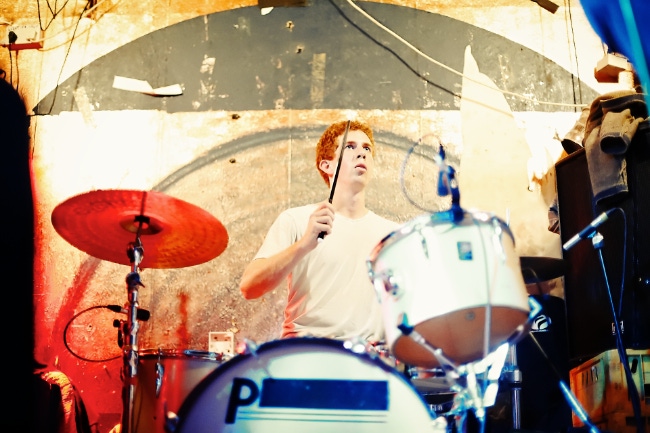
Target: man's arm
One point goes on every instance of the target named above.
(264, 274)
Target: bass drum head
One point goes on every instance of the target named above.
(304, 384)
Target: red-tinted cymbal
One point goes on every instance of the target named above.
(173, 234)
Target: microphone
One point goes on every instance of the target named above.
(588, 231)
(448, 185)
(142, 314)
(443, 173)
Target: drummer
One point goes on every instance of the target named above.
(321, 249)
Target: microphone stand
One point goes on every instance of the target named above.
(135, 252)
(598, 241)
(566, 391)
(448, 185)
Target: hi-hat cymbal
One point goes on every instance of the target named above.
(538, 269)
(173, 233)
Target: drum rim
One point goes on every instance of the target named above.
(408, 228)
(180, 353)
(307, 341)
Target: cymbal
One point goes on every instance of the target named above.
(538, 269)
(173, 233)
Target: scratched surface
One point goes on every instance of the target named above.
(238, 143)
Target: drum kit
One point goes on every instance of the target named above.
(116, 225)
(454, 302)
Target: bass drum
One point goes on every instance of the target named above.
(454, 282)
(165, 378)
(304, 384)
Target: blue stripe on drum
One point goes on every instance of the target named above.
(325, 394)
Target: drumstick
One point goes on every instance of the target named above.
(321, 235)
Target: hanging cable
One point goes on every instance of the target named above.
(447, 68)
(65, 336)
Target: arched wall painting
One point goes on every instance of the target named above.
(279, 79)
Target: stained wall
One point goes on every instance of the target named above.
(498, 84)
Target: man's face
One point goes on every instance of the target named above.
(357, 163)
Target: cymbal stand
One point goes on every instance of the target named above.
(513, 376)
(135, 252)
(511, 372)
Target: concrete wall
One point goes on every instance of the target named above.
(499, 83)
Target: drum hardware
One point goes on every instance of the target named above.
(305, 384)
(511, 373)
(448, 184)
(360, 346)
(513, 376)
(428, 382)
(247, 347)
(470, 257)
(178, 234)
(165, 378)
(142, 314)
(466, 303)
(470, 392)
(409, 331)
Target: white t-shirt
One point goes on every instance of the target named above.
(330, 292)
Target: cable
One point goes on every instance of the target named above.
(567, 9)
(83, 15)
(403, 169)
(17, 73)
(53, 12)
(633, 393)
(56, 13)
(65, 336)
(623, 265)
(442, 65)
(11, 68)
(411, 68)
(67, 53)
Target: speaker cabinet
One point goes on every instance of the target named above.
(625, 251)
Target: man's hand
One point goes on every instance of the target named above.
(320, 221)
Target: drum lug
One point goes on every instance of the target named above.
(387, 282)
(247, 347)
(357, 345)
(392, 285)
(498, 240)
(171, 421)
(425, 246)
(160, 373)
